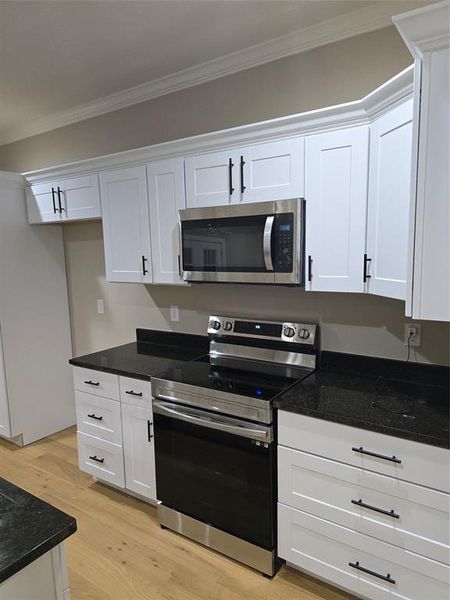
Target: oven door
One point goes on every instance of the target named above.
(254, 243)
(216, 469)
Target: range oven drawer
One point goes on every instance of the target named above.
(215, 476)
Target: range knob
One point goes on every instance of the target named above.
(289, 332)
(215, 325)
(228, 326)
(304, 334)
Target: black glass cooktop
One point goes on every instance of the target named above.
(234, 379)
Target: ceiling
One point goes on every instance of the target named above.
(57, 56)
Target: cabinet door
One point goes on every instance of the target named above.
(212, 179)
(431, 290)
(389, 202)
(166, 197)
(80, 198)
(5, 425)
(272, 171)
(126, 225)
(42, 203)
(336, 205)
(139, 450)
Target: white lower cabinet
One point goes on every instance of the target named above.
(115, 430)
(363, 510)
(139, 450)
(43, 579)
(357, 562)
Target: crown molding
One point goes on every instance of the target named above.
(426, 28)
(349, 114)
(370, 18)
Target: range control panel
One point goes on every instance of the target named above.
(294, 333)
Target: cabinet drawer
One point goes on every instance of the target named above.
(418, 463)
(327, 550)
(96, 382)
(135, 391)
(329, 489)
(101, 459)
(99, 417)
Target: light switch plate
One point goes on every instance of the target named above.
(100, 306)
(174, 313)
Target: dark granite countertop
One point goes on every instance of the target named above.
(29, 528)
(391, 397)
(150, 355)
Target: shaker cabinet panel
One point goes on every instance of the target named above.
(272, 171)
(336, 205)
(139, 450)
(73, 199)
(126, 225)
(212, 179)
(389, 202)
(166, 198)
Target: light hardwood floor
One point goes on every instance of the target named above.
(119, 551)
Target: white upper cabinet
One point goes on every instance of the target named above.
(72, 199)
(336, 205)
(212, 179)
(272, 171)
(426, 32)
(126, 225)
(257, 173)
(139, 450)
(389, 202)
(166, 198)
(5, 425)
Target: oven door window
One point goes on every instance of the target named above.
(221, 479)
(226, 245)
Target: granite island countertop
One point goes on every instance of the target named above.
(29, 527)
(153, 353)
(403, 400)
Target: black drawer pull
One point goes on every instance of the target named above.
(242, 175)
(131, 393)
(93, 416)
(59, 200)
(389, 458)
(230, 175)
(97, 459)
(310, 261)
(54, 202)
(149, 431)
(366, 262)
(144, 268)
(389, 513)
(90, 382)
(357, 566)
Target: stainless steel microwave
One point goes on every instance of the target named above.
(246, 243)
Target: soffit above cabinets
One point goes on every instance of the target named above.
(358, 112)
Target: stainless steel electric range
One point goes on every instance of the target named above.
(215, 445)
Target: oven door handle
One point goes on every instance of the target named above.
(267, 242)
(212, 422)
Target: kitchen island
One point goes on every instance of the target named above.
(32, 556)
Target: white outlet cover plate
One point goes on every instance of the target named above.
(418, 337)
(174, 313)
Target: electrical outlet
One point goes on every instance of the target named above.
(100, 307)
(174, 313)
(413, 332)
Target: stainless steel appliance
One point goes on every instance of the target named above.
(215, 439)
(245, 243)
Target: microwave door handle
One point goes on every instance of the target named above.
(215, 422)
(267, 242)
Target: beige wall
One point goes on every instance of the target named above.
(353, 323)
(329, 75)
